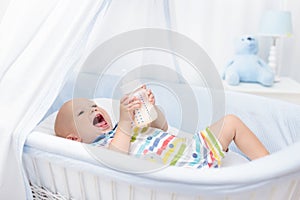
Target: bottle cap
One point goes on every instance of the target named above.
(129, 87)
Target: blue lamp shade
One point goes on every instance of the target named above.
(276, 23)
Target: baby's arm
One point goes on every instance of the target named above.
(160, 121)
(121, 141)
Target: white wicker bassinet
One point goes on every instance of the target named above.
(63, 169)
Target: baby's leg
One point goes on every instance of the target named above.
(232, 128)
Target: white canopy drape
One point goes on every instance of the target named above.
(40, 42)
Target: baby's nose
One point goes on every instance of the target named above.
(94, 109)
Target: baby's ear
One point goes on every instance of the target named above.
(74, 137)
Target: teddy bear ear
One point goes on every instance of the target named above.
(239, 40)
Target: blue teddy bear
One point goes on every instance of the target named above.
(246, 66)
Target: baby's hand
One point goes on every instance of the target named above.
(151, 96)
(127, 106)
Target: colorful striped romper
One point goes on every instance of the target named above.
(200, 151)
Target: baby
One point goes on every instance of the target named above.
(82, 120)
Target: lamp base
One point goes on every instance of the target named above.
(272, 58)
(272, 61)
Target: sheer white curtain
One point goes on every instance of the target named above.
(212, 24)
(40, 41)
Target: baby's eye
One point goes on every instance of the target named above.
(94, 106)
(80, 113)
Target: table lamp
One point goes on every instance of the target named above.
(275, 24)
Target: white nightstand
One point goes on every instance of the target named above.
(287, 89)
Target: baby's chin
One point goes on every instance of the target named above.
(102, 130)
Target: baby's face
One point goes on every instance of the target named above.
(90, 120)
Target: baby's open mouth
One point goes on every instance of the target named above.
(99, 121)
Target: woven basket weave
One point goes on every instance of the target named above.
(41, 193)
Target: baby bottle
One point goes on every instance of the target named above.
(146, 113)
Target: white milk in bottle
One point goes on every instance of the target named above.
(146, 113)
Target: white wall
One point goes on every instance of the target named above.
(3, 7)
(291, 46)
(214, 24)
